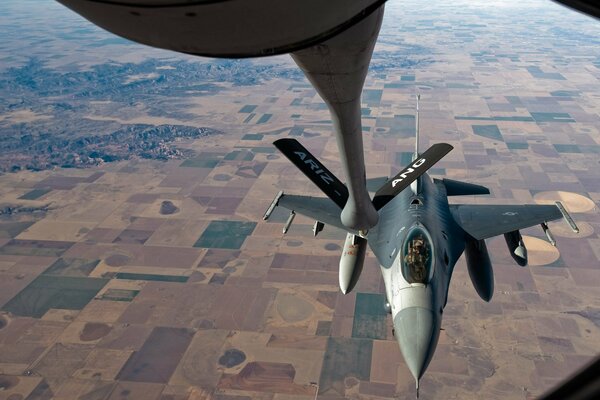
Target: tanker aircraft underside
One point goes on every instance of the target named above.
(417, 241)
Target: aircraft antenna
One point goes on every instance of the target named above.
(417, 129)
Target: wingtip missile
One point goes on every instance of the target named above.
(274, 204)
(289, 221)
(567, 216)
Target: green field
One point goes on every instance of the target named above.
(119, 294)
(10, 230)
(344, 357)
(225, 234)
(35, 194)
(151, 277)
(47, 291)
(71, 267)
(369, 316)
(488, 131)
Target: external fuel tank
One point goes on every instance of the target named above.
(351, 262)
(480, 268)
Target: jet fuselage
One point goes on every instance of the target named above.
(417, 244)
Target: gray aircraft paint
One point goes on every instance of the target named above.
(385, 240)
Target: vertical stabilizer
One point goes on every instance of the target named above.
(416, 155)
(415, 186)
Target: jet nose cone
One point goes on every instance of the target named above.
(417, 331)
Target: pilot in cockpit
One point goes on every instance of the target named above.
(416, 258)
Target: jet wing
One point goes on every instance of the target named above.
(318, 208)
(484, 221)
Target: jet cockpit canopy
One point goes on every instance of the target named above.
(417, 256)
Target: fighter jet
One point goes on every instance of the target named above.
(418, 240)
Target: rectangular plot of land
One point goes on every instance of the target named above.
(119, 294)
(565, 93)
(200, 162)
(402, 125)
(225, 234)
(62, 361)
(323, 328)
(72, 267)
(517, 146)
(254, 136)
(488, 131)
(305, 262)
(460, 85)
(133, 236)
(343, 358)
(159, 356)
(248, 108)
(152, 277)
(403, 158)
(537, 72)
(551, 117)
(297, 131)
(49, 248)
(239, 155)
(397, 85)
(372, 96)
(218, 258)
(10, 230)
(58, 230)
(223, 205)
(46, 292)
(515, 118)
(67, 182)
(263, 150)
(369, 316)
(567, 148)
(35, 194)
(264, 119)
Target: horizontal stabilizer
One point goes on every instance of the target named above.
(314, 170)
(409, 174)
(318, 208)
(458, 188)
